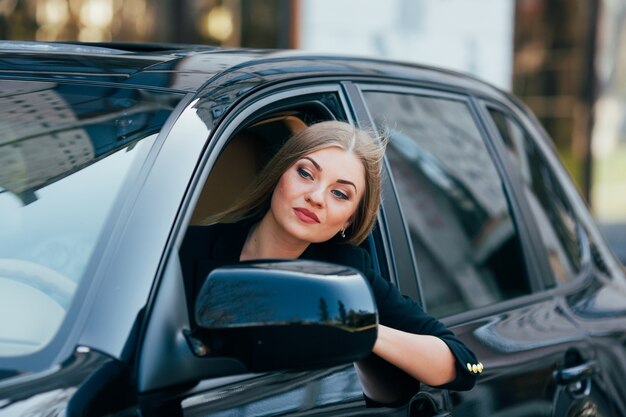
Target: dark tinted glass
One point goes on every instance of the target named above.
(548, 201)
(464, 239)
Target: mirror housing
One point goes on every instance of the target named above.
(278, 315)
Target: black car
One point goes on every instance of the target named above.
(109, 152)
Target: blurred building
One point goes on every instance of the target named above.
(471, 36)
(256, 24)
(554, 72)
(564, 58)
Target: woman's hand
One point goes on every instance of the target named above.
(426, 358)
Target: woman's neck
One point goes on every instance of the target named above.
(267, 240)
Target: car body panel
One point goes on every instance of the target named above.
(50, 392)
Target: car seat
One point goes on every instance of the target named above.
(241, 161)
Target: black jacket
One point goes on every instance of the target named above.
(208, 247)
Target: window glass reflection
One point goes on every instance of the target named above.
(548, 201)
(65, 152)
(464, 240)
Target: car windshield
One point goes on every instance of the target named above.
(65, 151)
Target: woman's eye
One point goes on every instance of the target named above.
(304, 173)
(340, 195)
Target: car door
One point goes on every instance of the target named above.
(583, 273)
(476, 253)
(174, 381)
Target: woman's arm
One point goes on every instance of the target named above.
(400, 359)
(411, 346)
(426, 358)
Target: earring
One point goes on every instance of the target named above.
(343, 233)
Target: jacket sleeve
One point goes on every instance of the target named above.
(401, 312)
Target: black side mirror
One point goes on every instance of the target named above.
(278, 315)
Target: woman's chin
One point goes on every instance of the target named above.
(306, 233)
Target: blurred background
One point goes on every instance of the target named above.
(566, 59)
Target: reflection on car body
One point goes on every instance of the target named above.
(108, 156)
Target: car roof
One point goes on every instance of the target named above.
(189, 68)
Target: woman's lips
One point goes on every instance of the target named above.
(306, 216)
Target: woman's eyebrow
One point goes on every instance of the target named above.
(319, 168)
(347, 182)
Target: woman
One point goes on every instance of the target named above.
(318, 199)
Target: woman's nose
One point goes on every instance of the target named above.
(315, 197)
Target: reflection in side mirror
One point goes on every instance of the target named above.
(286, 314)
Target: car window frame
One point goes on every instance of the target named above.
(517, 209)
(551, 157)
(544, 141)
(387, 220)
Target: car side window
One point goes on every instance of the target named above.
(464, 239)
(249, 149)
(548, 201)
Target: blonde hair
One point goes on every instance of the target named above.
(368, 148)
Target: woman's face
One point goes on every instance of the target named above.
(317, 196)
